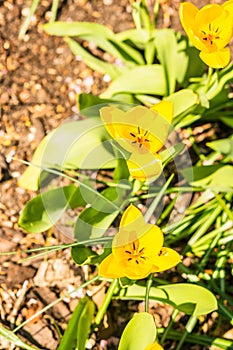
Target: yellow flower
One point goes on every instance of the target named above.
(142, 132)
(209, 29)
(137, 249)
(154, 346)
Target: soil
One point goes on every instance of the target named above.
(39, 78)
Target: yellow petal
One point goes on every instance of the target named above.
(109, 268)
(168, 259)
(112, 267)
(154, 346)
(187, 13)
(218, 59)
(213, 19)
(151, 241)
(145, 167)
(134, 228)
(132, 217)
(124, 127)
(165, 109)
(148, 239)
(138, 272)
(111, 116)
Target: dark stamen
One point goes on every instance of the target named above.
(146, 133)
(209, 26)
(139, 130)
(127, 251)
(137, 262)
(132, 134)
(134, 247)
(143, 257)
(203, 32)
(129, 259)
(141, 250)
(216, 30)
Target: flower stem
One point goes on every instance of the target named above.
(106, 302)
(148, 286)
(188, 329)
(209, 77)
(172, 320)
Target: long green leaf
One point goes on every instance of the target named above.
(166, 46)
(102, 36)
(78, 327)
(139, 80)
(189, 298)
(14, 339)
(73, 145)
(94, 63)
(43, 211)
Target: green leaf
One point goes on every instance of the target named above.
(78, 327)
(82, 255)
(189, 298)
(73, 145)
(43, 211)
(183, 101)
(94, 63)
(138, 38)
(224, 146)
(139, 332)
(99, 34)
(139, 80)
(166, 46)
(187, 63)
(14, 339)
(95, 220)
(217, 177)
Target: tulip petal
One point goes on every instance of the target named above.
(140, 123)
(109, 267)
(187, 13)
(165, 109)
(154, 346)
(168, 259)
(144, 166)
(218, 59)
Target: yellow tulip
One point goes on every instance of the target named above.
(142, 132)
(137, 249)
(154, 346)
(209, 29)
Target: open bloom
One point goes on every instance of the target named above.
(137, 249)
(209, 29)
(142, 132)
(154, 346)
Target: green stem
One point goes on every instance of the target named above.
(81, 184)
(106, 302)
(188, 329)
(167, 330)
(147, 295)
(27, 21)
(209, 77)
(54, 10)
(157, 199)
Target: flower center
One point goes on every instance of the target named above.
(140, 137)
(135, 254)
(211, 35)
